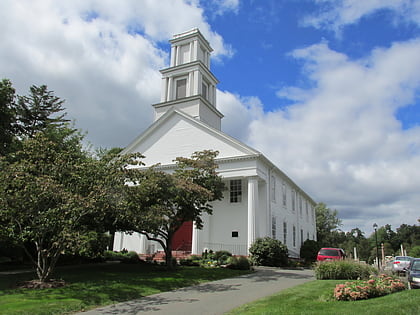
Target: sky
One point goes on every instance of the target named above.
(328, 90)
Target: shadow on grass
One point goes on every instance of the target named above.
(94, 285)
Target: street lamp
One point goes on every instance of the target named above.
(375, 226)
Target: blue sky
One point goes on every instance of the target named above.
(328, 90)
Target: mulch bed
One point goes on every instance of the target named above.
(36, 284)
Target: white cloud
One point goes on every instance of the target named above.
(102, 57)
(338, 13)
(238, 113)
(220, 7)
(340, 138)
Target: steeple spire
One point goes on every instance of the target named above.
(188, 84)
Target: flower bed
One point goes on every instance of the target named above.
(362, 289)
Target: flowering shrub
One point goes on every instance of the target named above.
(362, 289)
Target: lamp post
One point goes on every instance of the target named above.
(375, 226)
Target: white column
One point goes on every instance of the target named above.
(252, 209)
(173, 53)
(169, 93)
(196, 79)
(195, 47)
(164, 90)
(190, 91)
(143, 244)
(191, 51)
(176, 55)
(214, 96)
(195, 240)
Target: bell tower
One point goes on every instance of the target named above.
(188, 84)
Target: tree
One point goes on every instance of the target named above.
(157, 203)
(8, 113)
(39, 110)
(326, 223)
(48, 196)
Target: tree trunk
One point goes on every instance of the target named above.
(168, 254)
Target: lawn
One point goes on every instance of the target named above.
(92, 286)
(315, 297)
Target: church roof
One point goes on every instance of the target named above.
(178, 134)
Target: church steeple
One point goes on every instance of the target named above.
(188, 84)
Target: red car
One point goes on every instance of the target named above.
(330, 254)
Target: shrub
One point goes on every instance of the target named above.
(125, 257)
(189, 262)
(222, 256)
(343, 269)
(130, 258)
(239, 263)
(415, 251)
(365, 289)
(268, 252)
(309, 251)
(113, 256)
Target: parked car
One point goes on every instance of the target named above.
(401, 263)
(330, 254)
(413, 274)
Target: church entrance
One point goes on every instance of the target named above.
(182, 240)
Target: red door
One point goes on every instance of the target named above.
(182, 239)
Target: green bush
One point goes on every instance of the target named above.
(343, 270)
(415, 251)
(131, 258)
(239, 263)
(123, 256)
(269, 252)
(309, 251)
(113, 256)
(189, 262)
(222, 256)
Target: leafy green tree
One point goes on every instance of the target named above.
(8, 114)
(157, 203)
(39, 110)
(327, 222)
(415, 251)
(49, 196)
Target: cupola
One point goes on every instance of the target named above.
(188, 84)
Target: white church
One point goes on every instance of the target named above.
(260, 199)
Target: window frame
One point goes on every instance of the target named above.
(235, 190)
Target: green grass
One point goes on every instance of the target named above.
(98, 285)
(316, 297)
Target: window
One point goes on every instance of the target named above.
(307, 235)
(284, 233)
(274, 227)
(235, 190)
(204, 90)
(181, 88)
(300, 206)
(273, 188)
(293, 200)
(284, 194)
(294, 236)
(235, 234)
(307, 212)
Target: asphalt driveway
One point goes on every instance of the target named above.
(212, 298)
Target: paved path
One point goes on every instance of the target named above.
(212, 298)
